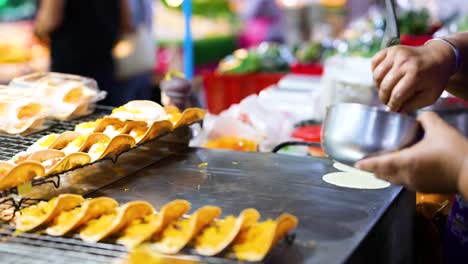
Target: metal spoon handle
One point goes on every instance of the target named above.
(392, 32)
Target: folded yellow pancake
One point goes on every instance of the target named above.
(84, 142)
(110, 126)
(189, 116)
(69, 162)
(76, 144)
(173, 113)
(118, 144)
(143, 229)
(51, 159)
(108, 224)
(140, 110)
(145, 254)
(136, 129)
(179, 233)
(42, 143)
(86, 128)
(44, 212)
(171, 109)
(56, 161)
(21, 173)
(46, 154)
(99, 145)
(254, 243)
(64, 139)
(157, 129)
(216, 237)
(5, 167)
(90, 209)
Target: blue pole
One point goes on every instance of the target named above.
(188, 41)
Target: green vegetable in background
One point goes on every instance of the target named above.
(208, 8)
(309, 53)
(463, 24)
(267, 57)
(271, 59)
(13, 10)
(242, 61)
(415, 22)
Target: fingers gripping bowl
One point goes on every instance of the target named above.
(352, 132)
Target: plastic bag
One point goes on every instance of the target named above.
(347, 80)
(66, 96)
(253, 119)
(19, 110)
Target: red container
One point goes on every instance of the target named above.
(309, 69)
(223, 90)
(411, 40)
(308, 133)
(419, 40)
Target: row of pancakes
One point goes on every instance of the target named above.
(28, 100)
(136, 224)
(134, 123)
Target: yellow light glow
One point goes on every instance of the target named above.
(123, 49)
(333, 3)
(291, 3)
(241, 54)
(174, 3)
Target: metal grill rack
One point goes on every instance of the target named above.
(28, 248)
(12, 144)
(38, 248)
(20, 248)
(10, 205)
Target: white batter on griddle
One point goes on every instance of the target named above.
(350, 177)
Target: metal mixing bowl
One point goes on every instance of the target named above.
(351, 132)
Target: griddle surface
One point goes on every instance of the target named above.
(336, 218)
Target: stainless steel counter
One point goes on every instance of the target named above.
(357, 226)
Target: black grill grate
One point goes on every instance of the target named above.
(39, 248)
(9, 206)
(12, 144)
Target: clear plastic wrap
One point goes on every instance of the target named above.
(346, 80)
(254, 119)
(20, 110)
(65, 96)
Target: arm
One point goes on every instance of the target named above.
(409, 78)
(463, 181)
(458, 83)
(49, 17)
(432, 165)
(126, 24)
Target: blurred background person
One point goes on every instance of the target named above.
(139, 84)
(82, 34)
(264, 22)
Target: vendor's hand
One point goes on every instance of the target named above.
(409, 78)
(434, 164)
(177, 90)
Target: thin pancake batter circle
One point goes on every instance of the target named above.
(351, 177)
(355, 180)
